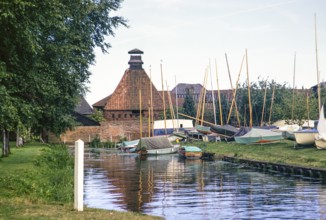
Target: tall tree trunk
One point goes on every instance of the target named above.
(5, 145)
(17, 138)
(7, 139)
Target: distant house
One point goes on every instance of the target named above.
(82, 112)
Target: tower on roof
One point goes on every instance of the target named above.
(135, 62)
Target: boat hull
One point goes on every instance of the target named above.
(170, 150)
(259, 136)
(305, 137)
(190, 152)
(257, 140)
(320, 144)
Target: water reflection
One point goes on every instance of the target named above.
(183, 189)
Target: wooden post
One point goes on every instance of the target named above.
(79, 175)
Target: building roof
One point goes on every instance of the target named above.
(101, 103)
(83, 107)
(126, 95)
(135, 51)
(184, 87)
(83, 120)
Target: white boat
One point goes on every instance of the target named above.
(288, 131)
(157, 145)
(320, 139)
(162, 127)
(305, 137)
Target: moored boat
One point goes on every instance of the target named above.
(203, 129)
(259, 136)
(224, 130)
(190, 152)
(157, 145)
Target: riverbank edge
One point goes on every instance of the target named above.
(19, 207)
(312, 172)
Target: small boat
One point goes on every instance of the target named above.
(157, 145)
(129, 146)
(203, 129)
(224, 130)
(190, 152)
(305, 137)
(259, 136)
(288, 131)
(320, 139)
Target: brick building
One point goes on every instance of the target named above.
(124, 103)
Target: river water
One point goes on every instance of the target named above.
(173, 188)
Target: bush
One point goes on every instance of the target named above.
(95, 143)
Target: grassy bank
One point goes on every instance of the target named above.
(281, 152)
(36, 182)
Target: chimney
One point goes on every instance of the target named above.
(135, 62)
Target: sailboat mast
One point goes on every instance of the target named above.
(293, 88)
(262, 112)
(318, 76)
(152, 111)
(163, 100)
(176, 102)
(204, 98)
(272, 101)
(249, 98)
(213, 98)
(219, 95)
(199, 105)
(140, 117)
(235, 95)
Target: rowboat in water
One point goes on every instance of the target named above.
(157, 145)
(190, 152)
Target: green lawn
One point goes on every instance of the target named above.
(281, 152)
(16, 172)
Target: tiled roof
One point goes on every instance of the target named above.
(83, 107)
(102, 102)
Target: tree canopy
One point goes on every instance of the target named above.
(46, 48)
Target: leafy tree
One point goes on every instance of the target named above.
(189, 105)
(98, 116)
(46, 48)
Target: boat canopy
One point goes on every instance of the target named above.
(192, 149)
(156, 142)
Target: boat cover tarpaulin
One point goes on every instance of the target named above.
(256, 135)
(130, 143)
(192, 149)
(156, 142)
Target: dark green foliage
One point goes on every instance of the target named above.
(46, 48)
(98, 116)
(189, 105)
(96, 143)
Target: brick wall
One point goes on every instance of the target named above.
(108, 131)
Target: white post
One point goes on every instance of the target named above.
(79, 175)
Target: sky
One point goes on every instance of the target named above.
(189, 37)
